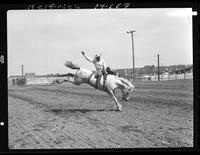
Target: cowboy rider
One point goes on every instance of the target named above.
(99, 64)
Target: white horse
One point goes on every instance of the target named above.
(109, 85)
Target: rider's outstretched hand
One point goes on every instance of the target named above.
(83, 52)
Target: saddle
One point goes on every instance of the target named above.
(98, 80)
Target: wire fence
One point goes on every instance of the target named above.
(163, 77)
(32, 80)
(48, 80)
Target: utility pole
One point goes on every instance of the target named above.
(131, 32)
(162, 70)
(158, 69)
(125, 72)
(22, 70)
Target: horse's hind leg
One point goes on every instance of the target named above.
(119, 106)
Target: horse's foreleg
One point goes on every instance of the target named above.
(70, 80)
(119, 106)
(56, 81)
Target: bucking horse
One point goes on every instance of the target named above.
(108, 83)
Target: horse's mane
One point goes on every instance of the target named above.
(125, 81)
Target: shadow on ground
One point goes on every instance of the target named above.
(67, 113)
(83, 111)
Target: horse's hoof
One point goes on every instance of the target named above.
(125, 99)
(119, 109)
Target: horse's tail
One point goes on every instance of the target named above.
(71, 65)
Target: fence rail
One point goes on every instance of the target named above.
(167, 77)
(32, 80)
(47, 80)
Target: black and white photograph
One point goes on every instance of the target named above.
(100, 78)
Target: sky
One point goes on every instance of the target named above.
(42, 40)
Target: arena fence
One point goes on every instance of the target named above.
(166, 77)
(32, 80)
(48, 80)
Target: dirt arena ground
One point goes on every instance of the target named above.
(65, 116)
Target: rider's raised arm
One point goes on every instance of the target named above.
(87, 58)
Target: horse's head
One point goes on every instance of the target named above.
(125, 95)
(126, 91)
(129, 86)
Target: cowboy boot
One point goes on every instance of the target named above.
(96, 84)
(104, 80)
